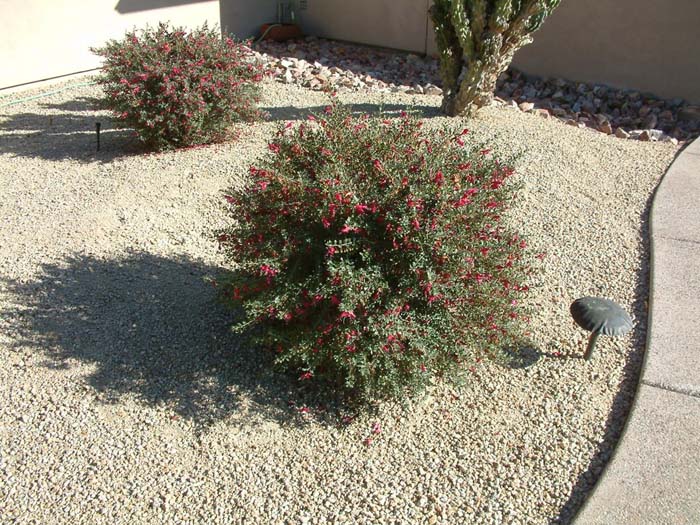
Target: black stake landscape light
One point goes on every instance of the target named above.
(97, 130)
(599, 316)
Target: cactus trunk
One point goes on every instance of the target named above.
(477, 40)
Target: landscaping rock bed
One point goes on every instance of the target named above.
(124, 398)
(324, 64)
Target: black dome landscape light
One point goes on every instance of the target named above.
(599, 316)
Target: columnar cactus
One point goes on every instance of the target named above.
(476, 40)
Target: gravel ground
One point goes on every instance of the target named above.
(320, 64)
(125, 399)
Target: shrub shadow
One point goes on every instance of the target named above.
(80, 104)
(276, 114)
(521, 357)
(154, 330)
(68, 135)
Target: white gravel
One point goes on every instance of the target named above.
(125, 399)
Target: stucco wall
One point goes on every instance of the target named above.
(648, 45)
(47, 38)
(398, 24)
(243, 18)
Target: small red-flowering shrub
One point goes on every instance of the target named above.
(177, 88)
(375, 255)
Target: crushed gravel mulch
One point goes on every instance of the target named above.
(124, 398)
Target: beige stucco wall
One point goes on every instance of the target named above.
(243, 18)
(398, 24)
(47, 38)
(648, 45)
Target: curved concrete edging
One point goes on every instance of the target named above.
(654, 474)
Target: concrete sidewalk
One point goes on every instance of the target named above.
(654, 475)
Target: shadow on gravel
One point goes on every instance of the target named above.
(624, 399)
(153, 329)
(388, 110)
(68, 135)
(524, 356)
(80, 104)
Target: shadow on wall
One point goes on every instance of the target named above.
(132, 6)
(151, 328)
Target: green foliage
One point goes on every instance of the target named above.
(374, 255)
(176, 88)
(476, 40)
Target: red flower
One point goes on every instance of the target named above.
(347, 315)
(466, 197)
(305, 376)
(268, 270)
(361, 208)
(350, 229)
(434, 298)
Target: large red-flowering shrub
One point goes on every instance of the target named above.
(375, 255)
(177, 88)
